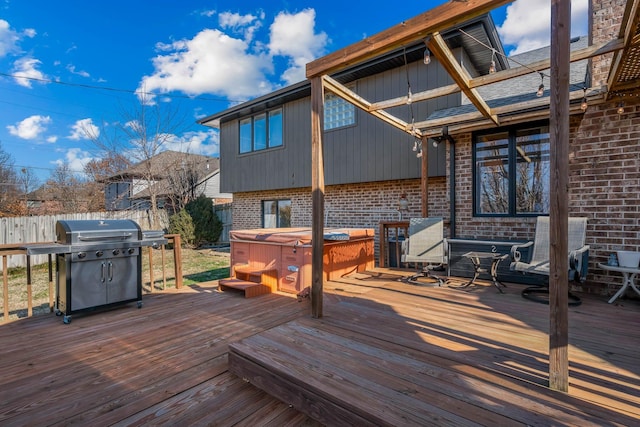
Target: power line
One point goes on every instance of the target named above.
(112, 89)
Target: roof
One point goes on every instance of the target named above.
(523, 88)
(166, 161)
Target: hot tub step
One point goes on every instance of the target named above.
(250, 289)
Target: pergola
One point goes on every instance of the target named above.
(624, 80)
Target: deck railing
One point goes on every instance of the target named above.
(18, 250)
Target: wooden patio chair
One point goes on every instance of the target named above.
(538, 259)
(427, 246)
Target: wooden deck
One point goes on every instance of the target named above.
(384, 353)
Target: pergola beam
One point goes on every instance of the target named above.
(352, 97)
(443, 17)
(475, 82)
(459, 75)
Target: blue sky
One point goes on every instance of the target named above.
(87, 59)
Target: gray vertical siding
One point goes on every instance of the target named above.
(369, 151)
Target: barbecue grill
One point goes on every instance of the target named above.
(98, 263)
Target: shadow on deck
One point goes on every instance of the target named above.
(388, 353)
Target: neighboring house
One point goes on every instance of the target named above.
(265, 145)
(172, 176)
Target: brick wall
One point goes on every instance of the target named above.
(361, 205)
(606, 18)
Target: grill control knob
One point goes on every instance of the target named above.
(81, 255)
(99, 253)
(116, 251)
(131, 250)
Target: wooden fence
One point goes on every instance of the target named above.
(36, 229)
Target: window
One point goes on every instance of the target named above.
(338, 112)
(511, 172)
(261, 131)
(276, 213)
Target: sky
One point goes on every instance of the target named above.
(72, 66)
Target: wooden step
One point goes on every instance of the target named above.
(250, 289)
(264, 276)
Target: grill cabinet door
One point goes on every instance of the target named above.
(122, 279)
(88, 284)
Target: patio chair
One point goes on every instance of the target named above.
(425, 245)
(538, 260)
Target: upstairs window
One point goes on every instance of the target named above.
(261, 131)
(338, 112)
(511, 172)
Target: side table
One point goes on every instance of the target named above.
(495, 258)
(628, 277)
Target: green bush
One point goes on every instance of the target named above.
(207, 225)
(182, 224)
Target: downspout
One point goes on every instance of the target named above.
(452, 188)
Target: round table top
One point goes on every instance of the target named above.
(618, 268)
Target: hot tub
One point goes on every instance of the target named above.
(288, 252)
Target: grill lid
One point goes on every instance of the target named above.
(78, 232)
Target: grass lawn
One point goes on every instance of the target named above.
(198, 265)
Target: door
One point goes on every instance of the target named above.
(122, 279)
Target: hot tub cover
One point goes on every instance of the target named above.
(298, 236)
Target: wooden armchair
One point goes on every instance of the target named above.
(426, 245)
(538, 259)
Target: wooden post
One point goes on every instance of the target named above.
(5, 288)
(317, 196)
(559, 196)
(164, 270)
(51, 302)
(151, 269)
(177, 259)
(425, 177)
(29, 290)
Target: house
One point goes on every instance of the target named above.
(400, 108)
(172, 177)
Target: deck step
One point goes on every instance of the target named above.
(250, 289)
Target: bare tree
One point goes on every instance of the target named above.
(67, 188)
(27, 181)
(146, 129)
(9, 186)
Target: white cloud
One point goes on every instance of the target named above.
(246, 25)
(72, 70)
(211, 62)
(8, 39)
(206, 142)
(30, 32)
(208, 13)
(75, 158)
(228, 62)
(84, 129)
(52, 139)
(30, 128)
(527, 25)
(293, 36)
(25, 72)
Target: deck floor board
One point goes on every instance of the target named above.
(385, 352)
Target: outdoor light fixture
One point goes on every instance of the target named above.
(584, 105)
(403, 203)
(492, 67)
(427, 52)
(621, 108)
(409, 96)
(540, 91)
